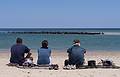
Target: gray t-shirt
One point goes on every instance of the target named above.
(44, 55)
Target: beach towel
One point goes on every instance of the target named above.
(105, 64)
(50, 67)
(34, 66)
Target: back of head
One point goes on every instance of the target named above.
(76, 41)
(44, 44)
(18, 40)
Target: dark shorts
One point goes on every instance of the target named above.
(77, 64)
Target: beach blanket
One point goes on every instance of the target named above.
(50, 67)
(34, 66)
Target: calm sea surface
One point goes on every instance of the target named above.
(110, 41)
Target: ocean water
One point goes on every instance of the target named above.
(109, 41)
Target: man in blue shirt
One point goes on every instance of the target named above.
(18, 52)
(75, 54)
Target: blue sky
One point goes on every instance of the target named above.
(60, 13)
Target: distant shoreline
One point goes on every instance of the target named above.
(44, 32)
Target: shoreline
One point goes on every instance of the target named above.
(64, 51)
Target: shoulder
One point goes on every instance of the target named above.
(24, 45)
(13, 46)
(49, 49)
(69, 49)
(84, 50)
(81, 47)
(72, 47)
(39, 49)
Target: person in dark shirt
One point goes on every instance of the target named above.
(18, 51)
(75, 54)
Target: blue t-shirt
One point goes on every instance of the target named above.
(17, 53)
(76, 54)
(44, 56)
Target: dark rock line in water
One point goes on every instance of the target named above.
(85, 33)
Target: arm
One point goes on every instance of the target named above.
(28, 55)
(69, 50)
(84, 50)
(50, 52)
(27, 51)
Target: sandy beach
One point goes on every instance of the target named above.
(58, 58)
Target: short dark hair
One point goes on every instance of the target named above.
(44, 43)
(76, 41)
(18, 40)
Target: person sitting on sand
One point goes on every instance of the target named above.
(18, 51)
(75, 55)
(44, 54)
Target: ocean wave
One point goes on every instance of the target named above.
(111, 33)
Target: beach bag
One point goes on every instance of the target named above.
(54, 66)
(107, 62)
(92, 63)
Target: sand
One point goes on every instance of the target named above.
(58, 58)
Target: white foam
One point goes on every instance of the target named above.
(111, 33)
